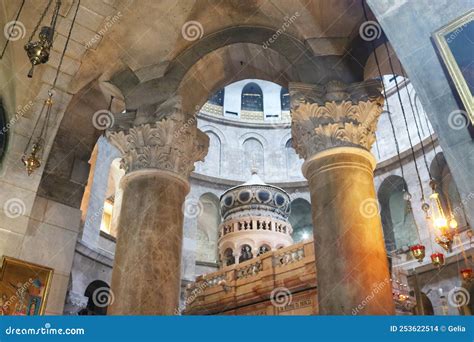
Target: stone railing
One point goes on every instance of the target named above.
(254, 224)
(292, 267)
(249, 270)
(288, 257)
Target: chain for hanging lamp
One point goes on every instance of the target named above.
(38, 51)
(32, 155)
(417, 250)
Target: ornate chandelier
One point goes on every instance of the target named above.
(38, 51)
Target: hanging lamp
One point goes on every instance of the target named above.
(442, 225)
(34, 149)
(38, 51)
(417, 250)
(437, 259)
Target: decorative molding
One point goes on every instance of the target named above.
(334, 115)
(171, 143)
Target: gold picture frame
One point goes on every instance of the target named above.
(450, 41)
(24, 287)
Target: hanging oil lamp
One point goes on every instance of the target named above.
(443, 227)
(437, 259)
(32, 160)
(32, 155)
(418, 252)
(38, 51)
(467, 274)
(445, 240)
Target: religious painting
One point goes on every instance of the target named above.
(24, 287)
(455, 42)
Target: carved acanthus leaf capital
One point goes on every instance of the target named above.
(170, 144)
(334, 115)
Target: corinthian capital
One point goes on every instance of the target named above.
(171, 143)
(334, 115)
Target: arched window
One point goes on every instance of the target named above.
(212, 163)
(208, 228)
(301, 221)
(263, 249)
(398, 222)
(293, 164)
(3, 131)
(99, 298)
(449, 194)
(253, 157)
(218, 98)
(285, 99)
(252, 98)
(229, 258)
(245, 253)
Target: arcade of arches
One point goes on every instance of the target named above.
(195, 165)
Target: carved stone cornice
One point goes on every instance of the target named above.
(171, 143)
(334, 115)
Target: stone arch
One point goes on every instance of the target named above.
(254, 156)
(301, 220)
(398, 222)
(447, 189)
(212, 164)
(99, 298)
(208, 223)
(370, 68)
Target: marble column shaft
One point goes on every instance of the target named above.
(333, 130)
(158, 158)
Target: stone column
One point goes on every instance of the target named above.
(158, 158)
(333, 128)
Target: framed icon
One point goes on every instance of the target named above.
(455, 43)
(24, 287)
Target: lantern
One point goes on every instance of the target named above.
(466, 274)
(445, 240)
(418, 252)
(38, 51)
(437, 259)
